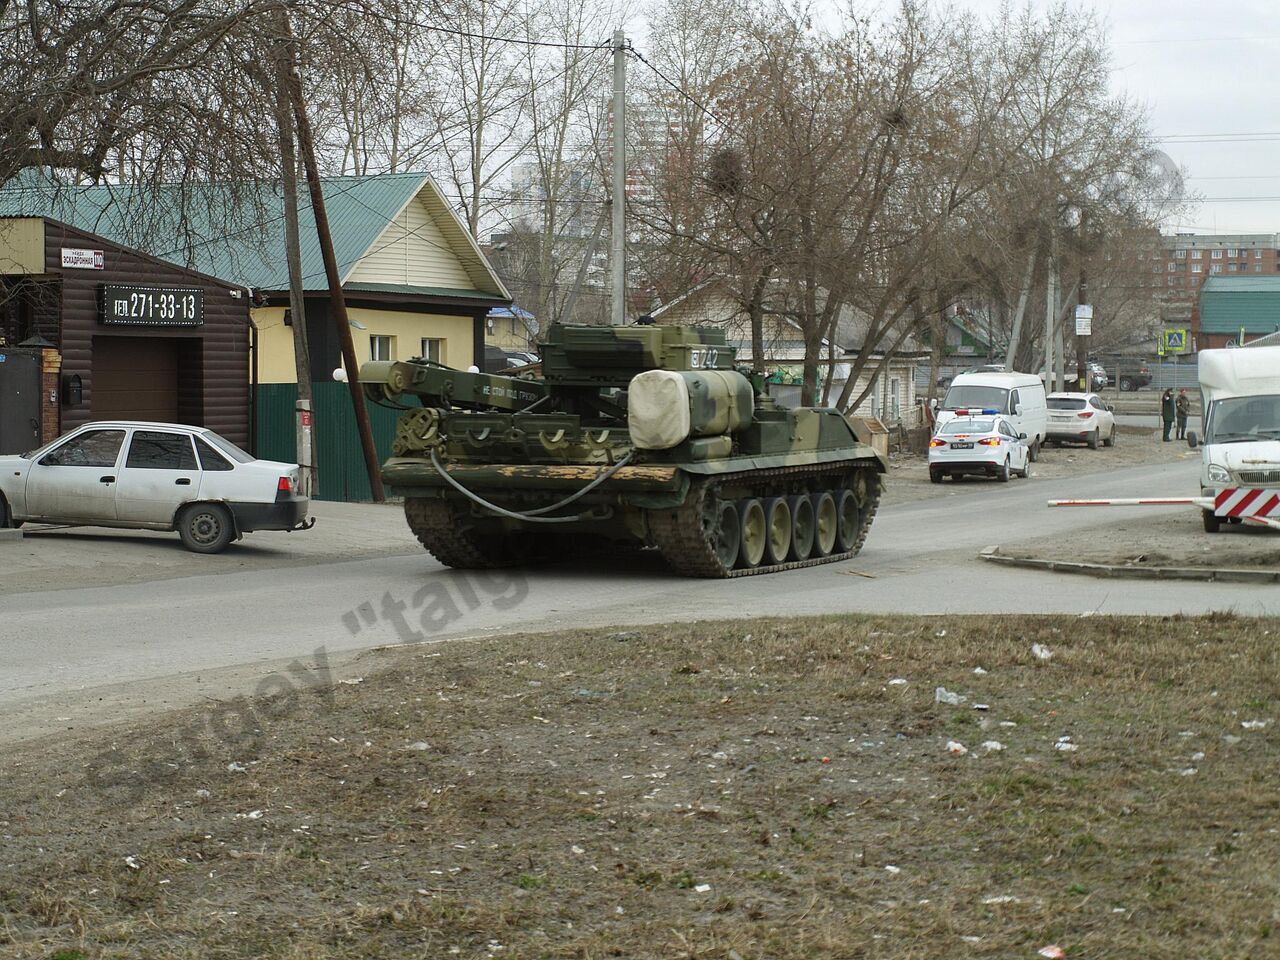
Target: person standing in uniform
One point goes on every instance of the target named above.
(1182, 407)
(1167, 412)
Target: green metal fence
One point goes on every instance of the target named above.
(342, 474)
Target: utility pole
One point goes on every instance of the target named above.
(303, 406)
(618, 239)
(1050, 310)
(337, 302)
(1084, 320)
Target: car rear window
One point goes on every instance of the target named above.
(229, 448)
(966, 425)
(1065, 403)
(210, 459)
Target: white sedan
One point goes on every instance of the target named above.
(152, 476)
(1080, 418)
(983, 443)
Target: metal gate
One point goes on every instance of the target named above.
(19, 401)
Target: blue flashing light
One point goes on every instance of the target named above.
(990, 411)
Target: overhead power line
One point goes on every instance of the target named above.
(675, 86)
(522, 41)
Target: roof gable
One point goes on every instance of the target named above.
(188, 226)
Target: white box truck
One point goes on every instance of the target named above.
(1240, 449)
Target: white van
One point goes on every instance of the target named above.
(1241, 444)
(1019, 396)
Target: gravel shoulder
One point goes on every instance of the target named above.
(908, 477)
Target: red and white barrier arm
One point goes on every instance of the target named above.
(1203, 502)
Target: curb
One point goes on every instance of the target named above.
(8, 535)
(1111, 571)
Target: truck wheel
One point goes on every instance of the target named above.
(206, 528)
(1212, 522)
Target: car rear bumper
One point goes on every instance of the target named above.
(965, 465)
(282, 515)
(1057, 431)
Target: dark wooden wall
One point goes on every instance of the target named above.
(213, 358)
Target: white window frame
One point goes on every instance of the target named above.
(1217, 254)
(427, 353)
(1172, 266)
(1257, 253)
(1195, 254)
(1196, 268)
(1180, 254)
(1215, 269)
(1232, 251)
(377, 341)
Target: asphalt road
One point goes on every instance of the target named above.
(919, 558)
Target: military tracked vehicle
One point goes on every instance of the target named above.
(637, 436)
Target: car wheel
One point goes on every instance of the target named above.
(1126, 385)
(1003, 475)
(1212, 522)
(1035, 451)
(1111, 437)
(206, 528)
(1026, 470)
(935, 476)
(1093, 439)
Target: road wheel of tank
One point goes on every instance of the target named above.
(1111, 437)
(803, 526)
(848, 520)
(777, 514)
(1093, 439)
(836, 521)
(726, 533)
(755, 527)
(452, 536)
(1035, 451)
(1003, 473)
(1212, 522)
(1126, 385)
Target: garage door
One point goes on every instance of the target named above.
(135, 379)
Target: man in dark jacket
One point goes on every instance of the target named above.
(1167, 412)
(1183, 408)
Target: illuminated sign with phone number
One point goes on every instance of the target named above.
(153, 306)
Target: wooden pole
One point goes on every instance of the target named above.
(304, 422)
(337, 302)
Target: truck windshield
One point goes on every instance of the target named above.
(1239, 419)
(970, 395)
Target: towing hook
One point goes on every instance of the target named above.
(306, 524)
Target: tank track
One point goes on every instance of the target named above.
(686, 548)
(446, 536)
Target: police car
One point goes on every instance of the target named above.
(979, 442)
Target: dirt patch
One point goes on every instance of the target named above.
(780, 789)
(908, 477)
(1168, 540)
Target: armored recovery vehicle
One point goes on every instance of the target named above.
(641, 436)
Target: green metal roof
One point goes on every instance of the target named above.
(1229, 303)
(236, 231)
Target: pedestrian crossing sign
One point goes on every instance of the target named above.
(1175, 341)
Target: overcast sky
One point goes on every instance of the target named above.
(1205, 71)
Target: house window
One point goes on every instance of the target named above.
(1215, 269)
(432, 349)
(1180, 254)
(895, 398)
(1257, 268)
(1257, 253)
(1231, 251)
(1217, 254)
(381, 347)
(1195, 254)
(1196, 268)
(1231, 267)
(1172, 266)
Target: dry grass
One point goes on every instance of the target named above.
(578, 789)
